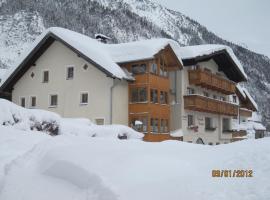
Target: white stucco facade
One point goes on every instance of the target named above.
(56, 59)
(179, 115)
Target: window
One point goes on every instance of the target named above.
(45, 77)
(195, 67)
(100, 121)
(190, 91)
(154, 125)
(138, 95)
(33, 102)
(163, 97)
(22, 102)
(214, 96)
(209, 124)
(164, 126)
(154, 68)
(138, 69)
(84, 98)
(70, 73)
(234, 99)
(154, 96)
(140, 124)
(190, 120)
(163, 70)
(206, 94)
(53, 100)
(222, 98)
(225, 124)
(207, 70)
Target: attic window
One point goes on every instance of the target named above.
(32, 74)
(85, 67)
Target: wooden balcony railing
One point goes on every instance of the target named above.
(205, 104)
(211, 81)
(245, 112)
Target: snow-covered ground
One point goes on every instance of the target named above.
(86, 161)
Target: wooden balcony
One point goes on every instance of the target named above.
(205, 104)
(245, 112)
(238, 135)
(212, 81)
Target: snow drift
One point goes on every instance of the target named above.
(52, 124)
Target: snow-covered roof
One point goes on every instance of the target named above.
(140, 50)
(248, 125)
(241, 91)
(250, 98)
(177, 133)
(190, 52)
(87, 46)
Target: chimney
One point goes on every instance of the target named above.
(102, 38)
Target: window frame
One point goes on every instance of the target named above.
(228, 128)
(30, 101)
(50, 101)
(190, 89)
(152, 71)
(138, 97)
(193, 120)
(152, 127)
(139, 65)
(102, 118)
(144, 128)
(165, 96)
(43, 76)
(20, 99)
(152, 97)
(67, 72)
(81, 95)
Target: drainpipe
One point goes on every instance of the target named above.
(111, 98)
(175, 86)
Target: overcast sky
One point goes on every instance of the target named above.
(240, 21)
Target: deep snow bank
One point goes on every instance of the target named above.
(77, 167)
(28, 119)
(51, 123)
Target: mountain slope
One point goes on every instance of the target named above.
(122, 20)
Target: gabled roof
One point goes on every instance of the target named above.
(142, 50)
(222, 55)
(89, 49)
(244, 96)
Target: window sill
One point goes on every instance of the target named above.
(210, 129)
(83, 104)
(32, 107)
(69, 79)
(164, 104)
(52, 106)
(145, 102)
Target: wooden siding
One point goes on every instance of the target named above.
(245, 112)
(237, 135)
(212, 81)
(157, 82)
(160, 137)
(205, 104)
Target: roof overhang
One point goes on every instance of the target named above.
(172, 59)
(36, 52)
(224, 62)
